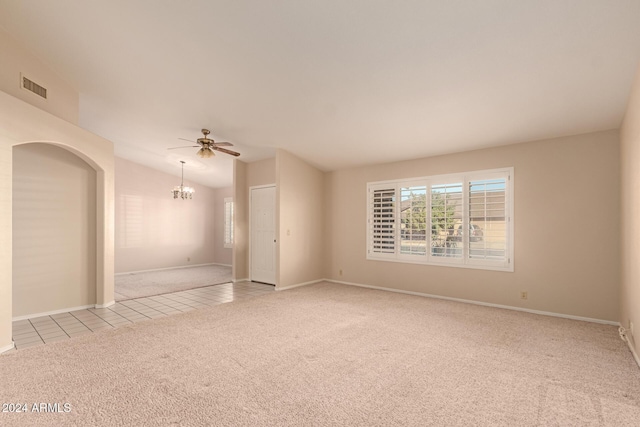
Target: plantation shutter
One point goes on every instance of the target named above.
(228, 222)
(382, 207)
(488, 219)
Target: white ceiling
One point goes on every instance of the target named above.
(339, 83)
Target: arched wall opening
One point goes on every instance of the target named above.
(21, 123)
(54, 230)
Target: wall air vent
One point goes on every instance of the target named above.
(34, 87)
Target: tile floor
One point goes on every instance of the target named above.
(57, 327)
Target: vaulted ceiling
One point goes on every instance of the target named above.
(338, 83)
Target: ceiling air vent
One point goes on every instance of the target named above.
(34, 87)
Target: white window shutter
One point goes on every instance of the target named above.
(488, 219)
(382, 220)
(228, 222)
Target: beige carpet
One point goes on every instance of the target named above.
(332, 355)
(149, 283)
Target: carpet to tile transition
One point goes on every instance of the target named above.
(329, 354)
(149, 283)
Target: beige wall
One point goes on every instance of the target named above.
(630, 225)
(22, 123)
(262, 172)
(246, 175)
(300, 229)
(240, 251)
(154, 230)
(221, 255)
(566, 228)
(6, 260)
(62, 99)
(54, 230)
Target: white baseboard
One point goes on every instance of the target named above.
(49, 313)
(284, 288)
(630, 343)
(108, 304)
(170, 268)
(8, 347)
(486, 304)
(241, 280)
(221, 265)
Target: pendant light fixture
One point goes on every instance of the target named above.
(182, 191)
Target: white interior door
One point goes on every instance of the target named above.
(263, 235)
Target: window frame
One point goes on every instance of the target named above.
(466, 261)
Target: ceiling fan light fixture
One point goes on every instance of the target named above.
(205, 153)
(208, 146)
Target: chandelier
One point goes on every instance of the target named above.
(182, 191)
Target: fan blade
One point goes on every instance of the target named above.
(188, 140)
(184, 146)
(222, 144)
(222, 150)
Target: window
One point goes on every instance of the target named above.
(460, 220)
(413, 220)
(446, 212)
(228, 222)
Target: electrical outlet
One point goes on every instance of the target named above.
(340, 272)
(188, 259)
(524, 295)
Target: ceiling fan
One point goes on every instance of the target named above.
(208, 145)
